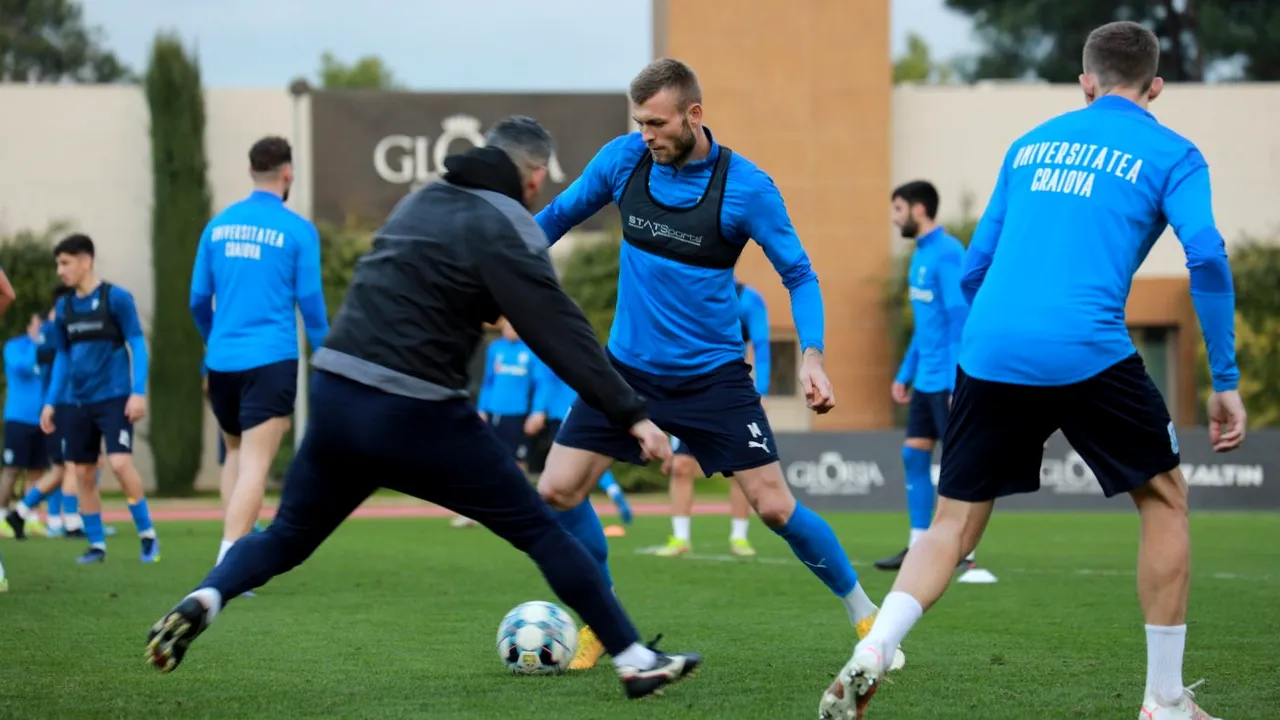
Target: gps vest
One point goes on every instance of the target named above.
(95, 325)
(687, 235)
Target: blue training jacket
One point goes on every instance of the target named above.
(939, 309)
(24, 385)
(509, 370)
(1079, 202)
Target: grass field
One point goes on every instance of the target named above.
(396, 618)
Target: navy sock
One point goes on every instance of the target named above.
(583, 523)
(917, 464)
(815, 543)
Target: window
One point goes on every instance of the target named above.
(784, 368)
(1157, 347)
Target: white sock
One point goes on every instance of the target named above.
(738, 529)
(970, 556)
(222, 552)
(148, 533)
(680, 528)
(211, 600)
(23, 511)
(74, 522)
(915, 535)
(1165, 645)
(897, 616)
(858, 605)
(53, 522)
(1, 571)
(637, 656)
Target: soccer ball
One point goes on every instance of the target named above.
(537, 638)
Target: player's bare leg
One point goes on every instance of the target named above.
(684, 468)
(926, 572)
(740, 518)
(123, 467)
(24, 517)
(565, 483)
(229, 471)
(253, 458)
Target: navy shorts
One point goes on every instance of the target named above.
(510, 432)
(717, 413)
(24, 446)
(540, 446)
(244, 399)
(927, 414)
(1116, 420)
(85, 427)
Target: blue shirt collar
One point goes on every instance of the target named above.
(706, 163)
(264, 196)
(1118, 104)
(929, 237)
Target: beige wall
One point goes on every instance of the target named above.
(957, 137)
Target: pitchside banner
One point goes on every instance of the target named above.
(863, 471)
(370, 149)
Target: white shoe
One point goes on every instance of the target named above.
(859, 679)
(463, 522)
(1184, 709)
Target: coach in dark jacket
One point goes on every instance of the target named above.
(389, 404)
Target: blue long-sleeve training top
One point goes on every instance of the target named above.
(675, 318)
(96, 365)
(258, 261)
(24, 385)
(551, 395)
(1079, 202)
(939, 310)
(754, 320)
(508, 385)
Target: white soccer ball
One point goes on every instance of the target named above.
(537, 638)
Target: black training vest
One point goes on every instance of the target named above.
(96, 324)
(689, 235)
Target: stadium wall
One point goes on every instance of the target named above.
(81, 154)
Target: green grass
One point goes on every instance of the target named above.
(397, 618)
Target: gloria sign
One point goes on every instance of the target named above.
(371, 148)
(863, 471)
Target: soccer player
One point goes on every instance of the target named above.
(1077, 206)
(552, 398)
(101, 371)
(261, 261)
(928, 372)
(388, 398)
(754, 320)
(6, 299)
(688, 207)
(24, 443)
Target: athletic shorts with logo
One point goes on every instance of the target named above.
(717, 414)
(86, 426)
(1117, 421)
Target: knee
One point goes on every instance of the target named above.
(775, 508)
(120, 464)
(558, 495)
(916, 445)
(684, 470)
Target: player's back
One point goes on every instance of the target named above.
(1082, 198)
(24, 391)
(253, 249)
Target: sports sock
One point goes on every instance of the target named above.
(919, 487)
(71, 512)
(54, 516)
(680, 527)
(738, 529)
(142, 518)
(29, 502)
(897, 616)
(813, 541)
(637, 656)
(915, 535)
(1, 570)
(609, 484)
(1165, 645)
(222, 551)
(583, 523)
(94, 531)
(212, 601)
(859, 606)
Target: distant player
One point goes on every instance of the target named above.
(754, 320)
(389, 404)
(928, 372)
(689, 206)
(1077, 206)
(24, 443)
(552, 398)
(6, 299)
(261, 261)
(101, 372)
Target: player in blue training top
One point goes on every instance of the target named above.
(928, 371)
(24, 443)
(101, 372)
(754, 319)
(6, 298)
(689, 206)
(260, 263)
(1078, 204)
(552, 398)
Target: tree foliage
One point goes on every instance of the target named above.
(917, 64)
(366, 73)
(27, 259)
(47, 41)
(1045, 38)
(180, 210)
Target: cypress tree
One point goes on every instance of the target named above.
(181, 209)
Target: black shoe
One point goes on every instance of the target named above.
(671, 668)
(18, 524)
(892, 563)
(74, 534)
(169, 637)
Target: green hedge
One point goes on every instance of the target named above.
(27, 260)
(180, 210)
